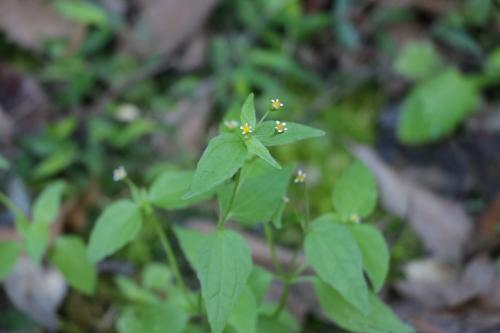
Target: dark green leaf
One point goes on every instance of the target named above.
(224, 155)
(267, 134)
(334, 254)
(70, 257)
(9, 251)
(115, 227)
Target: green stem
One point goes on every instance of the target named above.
(282, 301)
(170, 256)
(272, 248)
(224, 217)
(307, 208)
(263, 118)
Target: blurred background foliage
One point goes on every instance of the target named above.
(86, 86)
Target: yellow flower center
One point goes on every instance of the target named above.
(280, 127)
(246, 129)
(276, 104)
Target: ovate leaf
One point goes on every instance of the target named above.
(224, 155)
(334, 254)
(244, 316)
(9, 251)
(156, 276)
(418, 60)
(224, 265)
(48, 203)
(259, 282)
(355, 192)
(267, 134)
(191, 241)
(36, 240)
(435, 108)
(152, 318)
(381, 319)
(374, 252)
(116, 226)
(70, 257)
(248, 111)
(256, 147)
(168, 189)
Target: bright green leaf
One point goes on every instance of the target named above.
(70, 257)
(132, 292)
(259, 282)
(381, 319)
(36, 240)
(436, 107)
(334, 254)
(248, 111)
(267, 134)
(156, 276)
(260, 192)
(20, 219)
(224, 155)
(244, 316)
(418, 60)
(285, 323)
(355, 192)
(225, 262)
(147, 318)
(9, 251)
(191, 241)
(81, 11)
(374, 252)
(115, 227)
(256, 147)
(48, 203)
(168, 189)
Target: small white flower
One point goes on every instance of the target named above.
(300, 177)
(355, 218)
(246, 129)
(127, 113)
(231, 124)
(276, 104)
(119, 174)
(280, 127)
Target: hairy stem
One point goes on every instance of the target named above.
(272, 248)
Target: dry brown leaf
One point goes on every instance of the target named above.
(31, 22)
(442, 224)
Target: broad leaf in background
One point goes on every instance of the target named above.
(82, 11)
(133, 292)
(70, 257)
(435, 108)
(285, 323)
(259, 282)
(381, 319)
(374, 252)
(260, 192)
(36, 240)
(244, 316)
(355, 192)
(9, 251)
(248, 112)
(115, 227)
(418, 60)
(48, 203)
(191, 241)
(152, 318)
(224, 155)
(224, 264)
(334, 254)
(256, 147)
(168, 189)
(156, 276)
(267, 134)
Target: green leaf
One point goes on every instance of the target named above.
(267, 134)
(260, 192)
(168, 189)
(157, 318)
(156, 276)
(248, 111)
(285, 323)
(4, 164)
(55, 163)
(418, 60)
(20, 219)
(478, 11)
(36, 240)
(191, 241)
(355, 192)
(436, 107)
(259, 282)
(115, 227)
(374, 252)
(277, 219)
(224, 155)
(334, 254)
(69, 256)
(82, 11)
(380, 320)
(47, 205)
(256, 147)
(132, 292)
(9, 251)
(225, 262)
(244, 316)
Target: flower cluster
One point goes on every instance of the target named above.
(246, 129)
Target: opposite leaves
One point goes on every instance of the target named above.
(266, 133)
(224, 155)
(116, 226)
(224, 265)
